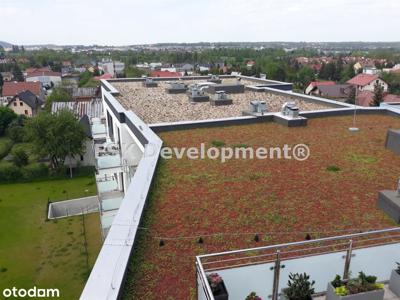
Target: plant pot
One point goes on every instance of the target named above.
(394, 283)
(372, 295)
(222, 294)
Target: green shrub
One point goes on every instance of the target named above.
(10, 173)
(16, 133)
(19, 157)
(35, 171)
(5, 147)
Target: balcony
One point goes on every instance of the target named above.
(266, 270)
(98, 128)
(108, 159)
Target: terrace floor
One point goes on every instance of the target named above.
(155, 105)
(333, 192)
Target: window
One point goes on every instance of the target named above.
(26, 112)
(15, 103)
(21, 103)
(81, 157)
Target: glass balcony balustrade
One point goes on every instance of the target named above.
(266, 270)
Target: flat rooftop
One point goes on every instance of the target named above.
(331, 193)
(155, 105)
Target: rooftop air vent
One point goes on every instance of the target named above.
(289, 109)
(215, 79)
(221, 98)
(196, 94)
(149, 82)
(176, 87)
(258, 106)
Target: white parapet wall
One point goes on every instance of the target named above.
(108, 273)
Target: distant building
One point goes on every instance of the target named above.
(86, 94)
(337, 91)
(47, 78)
(370, 70)
(11, 89)
(165, 74)
(365, 98)
(7, 76)
(311, 88)
(366, 82)
(114, 68)
(26, 103)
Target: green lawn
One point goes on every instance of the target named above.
(49, 254)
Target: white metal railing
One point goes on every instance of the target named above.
(374, 252)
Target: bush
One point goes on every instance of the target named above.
(333, 169)
(218, 143)
(10, 173)
(19, 157)
(16, 133)
(5, 147)
(35, 171)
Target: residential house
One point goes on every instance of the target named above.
(165, 74)
(26, 103)
(7, 76)
(86, 94)
(250, 64)
(366, 82)
(371, 70)
(47, 78)
(365, 98)
(10, 89)
(315, 84)
(114, 68)
(104, 76)
(336, 92)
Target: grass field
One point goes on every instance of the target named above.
(49, 254)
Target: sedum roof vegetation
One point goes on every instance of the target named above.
(335, 190)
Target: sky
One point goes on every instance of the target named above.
(127, 22)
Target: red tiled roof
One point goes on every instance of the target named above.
(391, 98)
(364, 98)
(165, 74)
(42, 73)
(319, 83)
(362, 79)
(14, 88)
(104, 76)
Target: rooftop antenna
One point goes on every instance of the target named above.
(354, 128)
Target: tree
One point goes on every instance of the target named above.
(58, 94)
(6, 117)
(352, 96)
(57, 136)
(305, 76)
(17, 73)
(19, 157)
(16, 131)
(378, 95)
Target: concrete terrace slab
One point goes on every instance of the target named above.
(155, 105)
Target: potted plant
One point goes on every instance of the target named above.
(299, 287)
(217, 286)
(253, 296)
(361, 288)
(394, 283)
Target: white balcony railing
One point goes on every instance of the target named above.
(265, 270)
